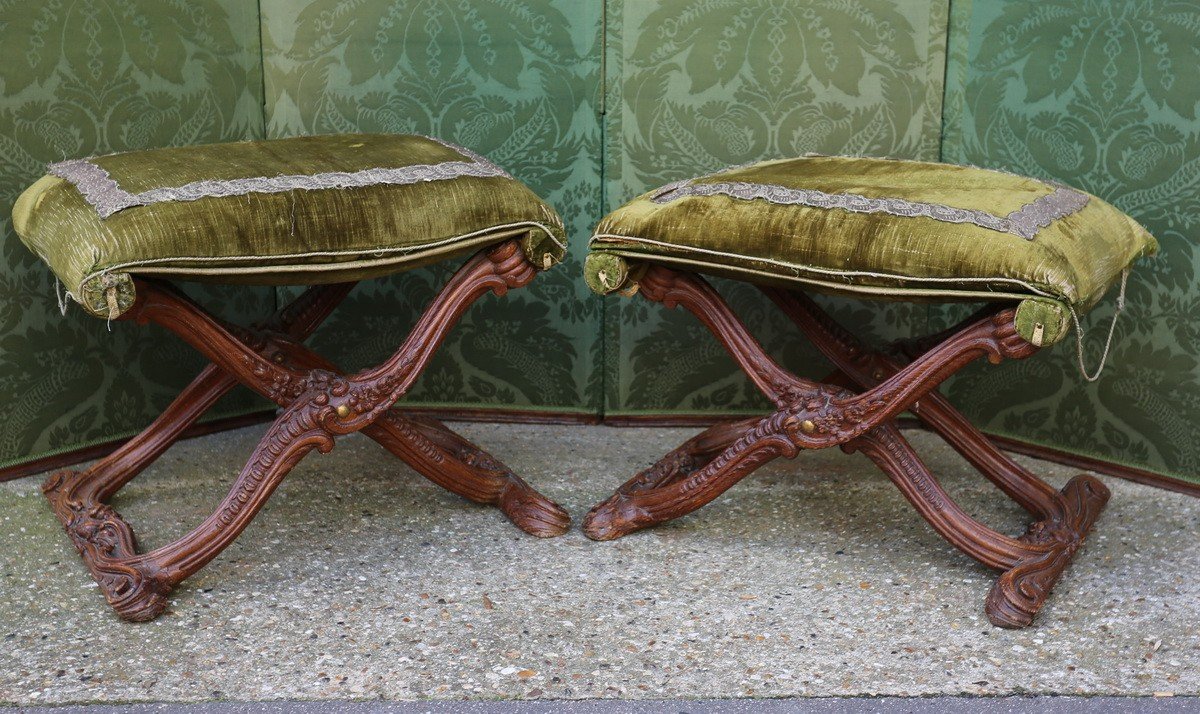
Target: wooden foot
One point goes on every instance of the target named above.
(444, 457)
(1022, 590)
(855, 408)
(640, 505)
(109, 549)
(318, 405)
(457, 465)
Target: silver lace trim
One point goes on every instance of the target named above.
(100, 190)
(1025, 222)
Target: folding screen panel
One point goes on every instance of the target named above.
(83, 77)
(517, 82)
(1097, 94)
(695, 86)
(1104, 96)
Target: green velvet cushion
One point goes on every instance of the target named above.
(882, 227)
(291, 211)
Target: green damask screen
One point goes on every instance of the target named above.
(696, 86)
(590, 103)
(1104, 96)
(517, 82)
(81, 77)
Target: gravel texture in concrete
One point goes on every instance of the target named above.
(814, 577)
(812, 705)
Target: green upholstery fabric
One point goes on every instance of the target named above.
(323, 209)
(1068, 247)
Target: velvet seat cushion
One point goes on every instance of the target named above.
(304, 210)
(878, 227)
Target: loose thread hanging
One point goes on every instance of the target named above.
(1112, 328)
(114, 307)
(61, 296)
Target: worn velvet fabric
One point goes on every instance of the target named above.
(299, 236)
(1072, 258)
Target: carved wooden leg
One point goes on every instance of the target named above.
(632, 509)
(810, 415)
(691, 456)
(856, 408)
(136, 586)
(447, 459)
(457, 465)
(1022, 590)
(1031, 563)
(862, 368)
(78, 497)
(319, 405)
(109, 474)
(1064, 518)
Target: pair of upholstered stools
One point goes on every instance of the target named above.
(328, 211)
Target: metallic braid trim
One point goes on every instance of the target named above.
(96, 186)
(104, 194)
(477, 158)
(1025, 222)
(1036, 215)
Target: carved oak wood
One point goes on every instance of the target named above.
(318, 402)
(856, 408)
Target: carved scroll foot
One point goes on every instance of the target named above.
(461, 467)
(531, 511)
(619, 515)
(474, 473)
(691, 476)
(1021, 591)
(107, 544)
(615, 517)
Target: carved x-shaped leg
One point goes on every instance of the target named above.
(444, 457)
(318, 405)
(817, 415)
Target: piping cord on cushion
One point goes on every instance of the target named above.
(1112, 328)
(833, 272)
(1079, 333)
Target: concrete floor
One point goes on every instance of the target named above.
(811, 705)
(360, 580)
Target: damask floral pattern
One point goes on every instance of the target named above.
(1100, 95)
(697, 85)
(514, 81)
(81, 77)
(1097, 94)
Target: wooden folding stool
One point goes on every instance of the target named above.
(357, 206)
(873, 228)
